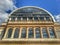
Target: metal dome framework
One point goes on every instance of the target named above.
(33, 8)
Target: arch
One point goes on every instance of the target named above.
(34, 7)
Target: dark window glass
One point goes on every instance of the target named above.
(18, 18)
(47, 18)
(44, 31)
(9, 33)
(52, 34)
(23, 33)
(16, 34)
(30, 18)
(12, 18)
(41, 18)
(37, 31)
(30, 33)
(24, 18)
(36, 18)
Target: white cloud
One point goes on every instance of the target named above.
(57, 17)
(5, 5)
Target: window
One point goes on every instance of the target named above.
(41, 18)
(16, 34)
(47, 19)
(44, 32)
(37, 31)
(18, 18)
(24, 18)
(12, 18)
(36, 18)
(52, 34)
(30, 33)
(9, 33)
(30, 18)
(23, 33)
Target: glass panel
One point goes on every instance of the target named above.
(24, 18)
(41, 18)
(37, 31)
(47, 18)
(44, 31)
(18, 18)
(23, 33)
(16, 34)
(36, 18)
(30, 18)
(30, 33)
(9, 33)
(52, 35)
(12, 18)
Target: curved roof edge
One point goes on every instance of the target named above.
(34, 7)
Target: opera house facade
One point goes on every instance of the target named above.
(30, 25)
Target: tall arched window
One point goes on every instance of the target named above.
(37, 31)
(52, 34)
(16, 34)
(30, 33)
(44, 32)
(9, 33)
(23, 33)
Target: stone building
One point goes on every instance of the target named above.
(30, 25)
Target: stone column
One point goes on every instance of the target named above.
(6, 32)
(13, 32)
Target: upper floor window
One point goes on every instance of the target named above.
(30, 33)
(24, 18)
(16, 34)
(37, 31)
(18, 18)
(47, 18)
(12, 18)
(9, 33)
(36, 18)
(44, 32)
(52, 34)
(30, 18)
(41, 18)
(23, 33)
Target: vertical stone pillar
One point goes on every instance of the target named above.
(48, 32)
(13, 32)
(20, 32)
(41, 32)
(27, 32)
(6, 32)
(34, 33)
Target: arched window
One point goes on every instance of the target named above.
(52, 34)
(23, 33)
(30, 33)
(16, 34)
(37, 31)
(44, 32)
(9, 33)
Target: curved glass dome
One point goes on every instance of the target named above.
(32, 13)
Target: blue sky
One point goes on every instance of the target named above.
(52, 6)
